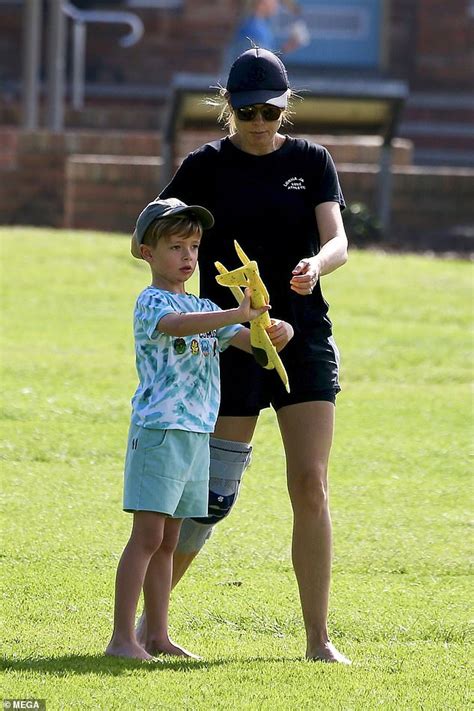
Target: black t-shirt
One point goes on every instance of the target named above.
(267, 203)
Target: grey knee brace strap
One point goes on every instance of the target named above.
(228, 461)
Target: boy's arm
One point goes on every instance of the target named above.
(200, 322)
(280, 333)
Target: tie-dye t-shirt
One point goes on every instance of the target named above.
(179, 377)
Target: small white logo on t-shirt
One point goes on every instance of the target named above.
(294, 184)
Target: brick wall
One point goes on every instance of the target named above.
(38, 169)
(101, 181)
(444, 54)
(401, 38)
(10, 42)
(108, 192)
(36, 162)
(430, 206)
(8, 148)
(9, 191)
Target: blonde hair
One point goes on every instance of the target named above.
(185, 226)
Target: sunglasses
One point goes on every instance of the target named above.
(267, 112)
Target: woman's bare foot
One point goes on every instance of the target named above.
(327, 652)
(131, 650)
(167, 646)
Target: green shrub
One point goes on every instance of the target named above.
(362, 227)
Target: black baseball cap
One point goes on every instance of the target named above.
(159, 209)
(258, 77)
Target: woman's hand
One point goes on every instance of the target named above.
(245, 310)
(280, 333)
(305, 276)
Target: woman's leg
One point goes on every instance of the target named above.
(307, 432)
(235, 429)
(145, 539)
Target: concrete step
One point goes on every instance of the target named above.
(441, 127)
(443, 157)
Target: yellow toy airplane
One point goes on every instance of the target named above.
(263, 349)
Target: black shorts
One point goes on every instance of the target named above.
(247, 388)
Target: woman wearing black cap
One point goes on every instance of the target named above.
(280, 198)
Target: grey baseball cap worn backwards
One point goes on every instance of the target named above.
(159, 209)
(258, 77)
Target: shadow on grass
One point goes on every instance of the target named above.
(101, 664)
(114, 666)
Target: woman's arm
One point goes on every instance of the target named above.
(332, 254)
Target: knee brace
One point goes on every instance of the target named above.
(228, 461)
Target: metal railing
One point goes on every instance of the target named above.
(80, 20)
(59, 12)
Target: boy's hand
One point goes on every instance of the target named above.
(280, 333)
(246, 311)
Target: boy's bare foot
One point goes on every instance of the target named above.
(130, 650)
(327, 652)
(167, 646)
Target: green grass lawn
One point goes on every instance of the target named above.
(401, 497)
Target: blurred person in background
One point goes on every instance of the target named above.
(256, 28)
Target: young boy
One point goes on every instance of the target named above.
(177, 340)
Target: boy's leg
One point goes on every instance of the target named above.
(156, 591)
(193, 534)
(145, 539)
(181, 562)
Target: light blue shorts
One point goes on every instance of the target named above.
(167, 471)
